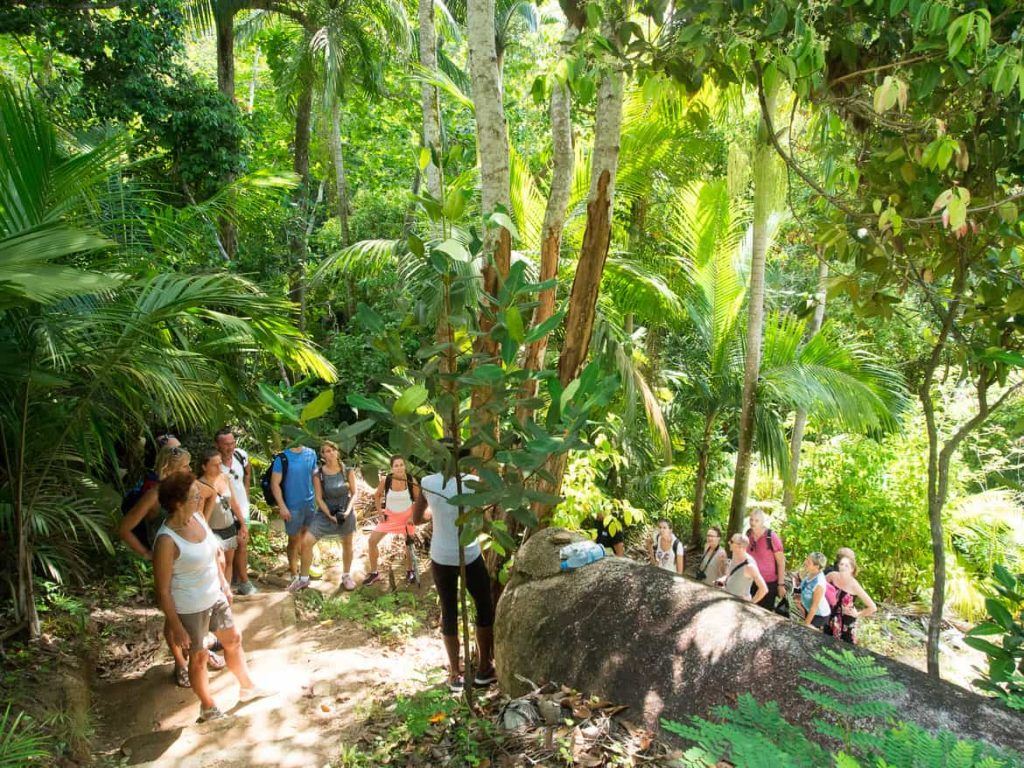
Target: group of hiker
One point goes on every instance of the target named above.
(754, 569)
(194, 529)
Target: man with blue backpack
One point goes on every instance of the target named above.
(291, 490)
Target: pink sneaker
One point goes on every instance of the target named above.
(348, 582)
(299, 583)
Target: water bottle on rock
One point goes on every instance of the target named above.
(580, 553)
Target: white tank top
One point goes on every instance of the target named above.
(398, 501)
(195, 578)
(737, 581)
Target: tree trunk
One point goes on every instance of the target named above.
(24, 603)
(492, 157)
(492, 135)
(297, 244)
(338, 157)
(579, 321)
(763, 161)
(225, 33)
(551, 232)
(800, 421)
(429, 97)
(251, 103)
(700, 482)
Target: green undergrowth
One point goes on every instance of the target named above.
(852, 696)
(429, 727)
(392, 617)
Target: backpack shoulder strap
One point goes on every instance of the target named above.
(676, 546)
(768, 539)
(240, 457)
(387, 483)
(736, 568)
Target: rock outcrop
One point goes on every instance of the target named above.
(670, 647)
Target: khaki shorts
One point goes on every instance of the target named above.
(213, 619)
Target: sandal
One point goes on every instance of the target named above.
(181, 677)
(214, 660)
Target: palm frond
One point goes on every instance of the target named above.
(635, 288)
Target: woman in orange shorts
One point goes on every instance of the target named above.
(395, 495)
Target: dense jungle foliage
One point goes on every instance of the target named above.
(654, 260)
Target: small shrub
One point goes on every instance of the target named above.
(1005, 674)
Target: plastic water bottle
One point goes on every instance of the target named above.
(580, 553)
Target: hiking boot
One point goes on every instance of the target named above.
(348, 582)
(208, 714)
(246, 588)
(371, 578)
(299, 583)
(457, 685)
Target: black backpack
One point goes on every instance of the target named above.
(268, 492)
(767, 536)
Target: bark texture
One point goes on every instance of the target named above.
(303, 193)
(428, 96)
(669, 647)
(338, 157)
(800, 420)
(225, 34)
(579, 321)
(700, 481)
(491, 132)
(763, 160)
(554, 220)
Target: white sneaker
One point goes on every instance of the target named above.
(251, 694)
(348, 582)
(298, 583)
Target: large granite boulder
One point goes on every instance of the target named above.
(670, 647)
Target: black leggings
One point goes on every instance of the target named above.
(478, 584)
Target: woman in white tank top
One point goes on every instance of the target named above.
(193, 593)
(393, 500)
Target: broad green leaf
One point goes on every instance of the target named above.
(278, 403)
(957, 33)
(778, 22)
(454, 249)
(538, 332)
(514, 323)
(499, 219)
(424, 158)
(411, 399)
(568, 393)
(1000, 613)
(989, 649)
(320, 405)
(366, 404)
(957, 210)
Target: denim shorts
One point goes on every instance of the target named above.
(302, 517)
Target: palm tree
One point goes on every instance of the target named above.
(351, 43)
(90, 357)
(835, 381)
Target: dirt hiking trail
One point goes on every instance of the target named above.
(326, 677)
